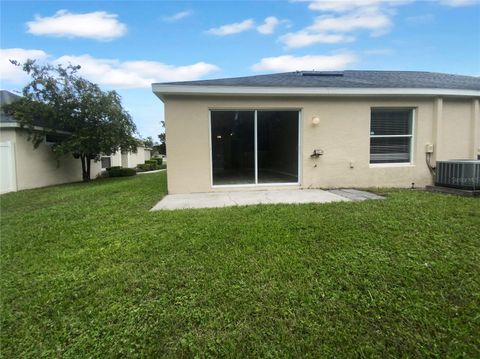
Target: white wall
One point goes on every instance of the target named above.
(457, 126)
(147, 154)
(32, 168)
(116, 159)
(39, 167)
(132, 159)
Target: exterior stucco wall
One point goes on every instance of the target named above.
(135, 158)
(7, 134)
(124, 159)
(116, 159)
(343, 135)
(457, 127)
(147, 154)
(39, 167)
(132, 159)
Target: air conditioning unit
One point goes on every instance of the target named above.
(463, 174)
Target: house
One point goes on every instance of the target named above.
(312, 129)
(23, 167)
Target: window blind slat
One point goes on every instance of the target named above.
(390, 123)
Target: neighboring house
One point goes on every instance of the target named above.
(317, 129)
(126, 159)
(23, 167)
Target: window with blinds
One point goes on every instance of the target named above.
(106, 162)
(391, 135)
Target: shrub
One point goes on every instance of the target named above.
(159, 160)
(150, 165)
(121, 172)
(142, 167)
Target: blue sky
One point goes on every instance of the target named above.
(126, 45)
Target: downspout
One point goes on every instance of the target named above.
(428, 160)
(475, 128)
(436, 136)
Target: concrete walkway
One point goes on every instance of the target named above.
(148, 172)
(242, 198)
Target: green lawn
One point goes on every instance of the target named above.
(87, 271)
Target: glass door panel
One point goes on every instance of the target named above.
(233, 147)
(277, 143)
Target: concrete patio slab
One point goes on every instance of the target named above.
(242, 198)
(355, 194)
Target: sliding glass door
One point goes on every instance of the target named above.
(233, 147)
(254, 147)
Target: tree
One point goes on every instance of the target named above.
(148, 142)
(91, 121)
(162, 147)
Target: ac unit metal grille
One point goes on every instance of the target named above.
(463, 174)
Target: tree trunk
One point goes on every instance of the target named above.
(85, 167)
(87, 174)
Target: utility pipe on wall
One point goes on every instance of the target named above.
(475, 128)
(437, 127)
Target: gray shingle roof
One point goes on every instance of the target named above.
(6, 97)
(347, 79)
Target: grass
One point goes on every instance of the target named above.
(87, 271)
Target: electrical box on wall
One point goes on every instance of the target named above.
(429, 148)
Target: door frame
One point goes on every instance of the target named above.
(256, 184)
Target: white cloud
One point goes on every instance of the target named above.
(379, 52)
(108, 72)
(98, 25)
(178, 16)
(362, 20)
(345, 18)
(9, 72)
(335, 29)
(231, 29)
(351, 5)
(135, 74)
(420, 19)
(269, 25)
(305, 38)
(458, 3)
(309, 62)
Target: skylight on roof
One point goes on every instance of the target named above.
(322, 73)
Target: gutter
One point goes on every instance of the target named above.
(162, 90)
(36, 128)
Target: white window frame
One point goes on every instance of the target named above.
(411, 136)
(256, 184)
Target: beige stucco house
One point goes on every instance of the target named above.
(311, 129)
(23, 167)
